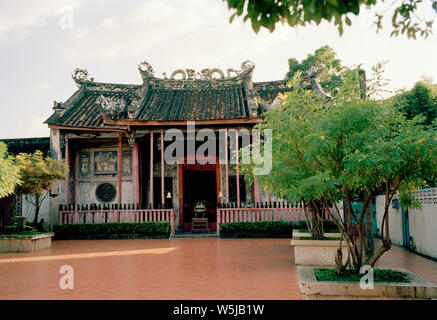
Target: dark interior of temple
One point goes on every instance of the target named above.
(200, 186)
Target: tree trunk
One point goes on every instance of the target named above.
(315, 225)
(370, 243)
(37, 205)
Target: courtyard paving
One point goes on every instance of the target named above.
(208, 268)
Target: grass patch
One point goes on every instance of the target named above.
(324, 238)
(380, 275)
(24, 233)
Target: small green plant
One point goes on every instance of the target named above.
(17, 225)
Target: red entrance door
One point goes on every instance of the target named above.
(198, 182)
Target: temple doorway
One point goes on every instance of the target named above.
(200, 184)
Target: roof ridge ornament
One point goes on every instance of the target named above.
(208, 74)
(313, 75)
(80, 76)
(245, 68)
(113, 107)
(146, 70)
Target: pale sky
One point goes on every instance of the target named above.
(43, 41)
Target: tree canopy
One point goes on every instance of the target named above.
(37, 175)
(338, 148)
(324, 59)
(267, 13)
(419, 101)
(9, 172)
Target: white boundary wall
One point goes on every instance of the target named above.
(423, 222)
(28, 209)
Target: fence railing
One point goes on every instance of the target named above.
(83, 214)
(266, 211)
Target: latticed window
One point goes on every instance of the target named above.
(106, 192)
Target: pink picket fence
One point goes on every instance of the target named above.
(284, 213)
(114, 215)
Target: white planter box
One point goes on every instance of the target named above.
(312, 289)
(25, 243)
(317, 252)
(308, 234)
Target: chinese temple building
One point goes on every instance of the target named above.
(113, 138)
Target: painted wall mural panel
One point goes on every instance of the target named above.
(105, 162)
(84, 164)
(126, 159)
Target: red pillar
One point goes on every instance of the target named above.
(162, 168)
(151, 169)
(73, 173)
(226, 165)
(136, 172)
(120, 165)
(238, 170)
(67, 180)
(181, 194)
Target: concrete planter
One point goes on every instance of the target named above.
(317, 252)
(312, 289)
(308, 234)
(25, 243)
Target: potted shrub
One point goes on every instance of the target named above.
(18, 237)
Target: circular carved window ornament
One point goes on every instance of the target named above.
(106, 192)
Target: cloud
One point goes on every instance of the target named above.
(45, 86)
(109, 23)
(22, 13)
(172, 34)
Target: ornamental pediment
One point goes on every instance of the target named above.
(190, 78)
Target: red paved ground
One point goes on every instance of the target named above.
(169, 269)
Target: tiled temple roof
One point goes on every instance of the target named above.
(269, 90)
(221, 102)
(28, 145)
(197, 96)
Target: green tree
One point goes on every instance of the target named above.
(38, 173)
(330, 71)
(267, 13)
(419, 101)
(325, 61)
(9, 172)
(327, 150)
